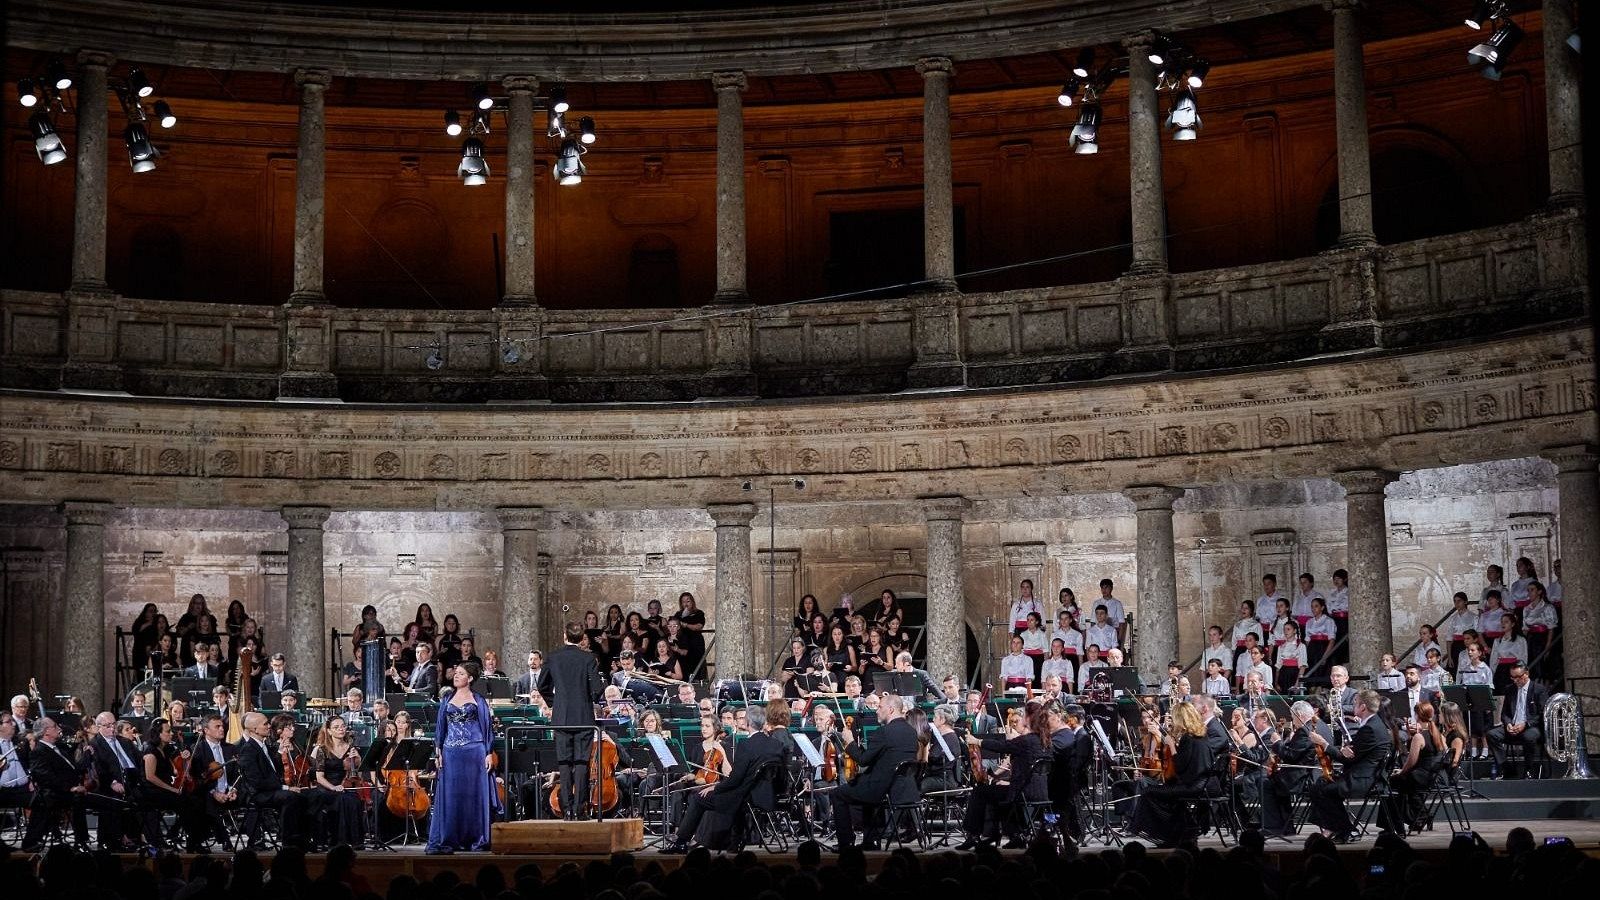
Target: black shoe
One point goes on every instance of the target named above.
(673, 847)
(967, 845)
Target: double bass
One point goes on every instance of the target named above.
(602, 780)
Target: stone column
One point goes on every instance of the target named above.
(310, 185)
(521, 612)
(519, 191)
(308, 634)
(731, 605)
(1148, 199)
(731, 278)
(1578, 483)
(938, 192)
(1350, 126)
(1367, 559)
(84, 617)
(1156, 633)
(89, 199)
(1563, 121)
(946, 640)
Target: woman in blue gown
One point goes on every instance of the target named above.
(464, 796)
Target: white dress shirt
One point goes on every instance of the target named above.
(1016, 665)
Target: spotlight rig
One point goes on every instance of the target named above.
(571, 146)
(1504, 36)
(47, 93)
(1178, 71)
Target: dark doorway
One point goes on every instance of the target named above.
(914, 614)
(1415, 194)
(653, 272)
(155, 259)
(880, 250)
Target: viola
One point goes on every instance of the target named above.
(296, 767)
(1324, 761)
(849, 761)
(830, 762)
(713, 770)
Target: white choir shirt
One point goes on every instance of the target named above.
(1389, 680)
(1115, 613)
(1104, 635)
(1507, 649)
(1267, 608)
(1321, 628)
(1277, 628)
(1058, 667)
(1433, 679)
(1244, 627)
(1338, 601)
(1242, 668)
(1552, 591)
(1084, 673)
(1519, 591)
(1489, 622)
(1301, 609)
(1466, 673)
(1217, 686)
(1291, 653)
(1220, 652)
(1016, 665)
(1505, 593)
(1035, 640)
(1021, 608)
(1458, 623)
(1537, 615)
(1420, 655)
(1072, 638)
(1263, 670)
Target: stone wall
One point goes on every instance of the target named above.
(1446, 524)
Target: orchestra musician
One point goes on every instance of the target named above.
(158, 792)
(261, 773)
(213, 770)
(1025, 742)
(895, 742)
(335, 798)
(115, 772)
(1367, 749)
(58, 788)
(14, 790)
(572, 677)
(424, 677)
(1157, 813)
(1297, 763)
(711, 811)
(943, 770)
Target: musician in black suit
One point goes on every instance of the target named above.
(58, 788)
(1219, 742)
(277, 677)
(528, 681)
(1297, 761)
(570, 681)
(1521, 721)
(894, 742)
(214, 772)
(261, 779)
(709, 816)
(205, 665)
(1069, 744)
(116, 770)
(1365, 755)
(424, 678)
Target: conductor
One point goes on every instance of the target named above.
(571, 682)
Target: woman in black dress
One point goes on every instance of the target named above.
(817, 634)
(1158, 813)
(694, 622)
(157, 793)
(449, 645)
(841, 655)
(798, 662)
(990, 806)
(805, 613)
(144, 634)
(427, 625)
(234, 621)
(334, 797)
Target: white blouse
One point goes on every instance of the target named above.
(1321, 628)
(1539, 615)
(1339, 601)
(1035, 640)
(1016, 665)
(1222, 653)
(1470, 674)
(1291, 653)
(1420, 655)
(1021, 608)
(1519, 591)
(1085, 671)
(1489, 622)
(1244, 627)
(1508, 648)
(1103, 635)
(1459, 622)
(1061, 668)
(1267, 608)
(1302, 604)
(1072, 638)
(1217, 686)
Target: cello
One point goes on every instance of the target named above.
(602, 783)
(405, 796)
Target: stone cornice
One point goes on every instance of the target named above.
(86, 512)
(1488, 400)
(310, 518)
(1364, 481)
(1152, 496)
(453, 44)
(732, 515)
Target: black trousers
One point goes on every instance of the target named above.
(693, 811)
(47, 809)
(572, 759)
(190, 809)
(1277, 803)
(1531, 739)
(291, 807)
(848, 802)
(986, 811)
(1327, 806)
(339, 816)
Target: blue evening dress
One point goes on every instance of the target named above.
(464, 796)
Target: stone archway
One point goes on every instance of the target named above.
(910, 590)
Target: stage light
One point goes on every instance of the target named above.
(452, 123)
(58, 76)
(141, 153)
(1069, 91)
(558, 99)
(25, 93)
(1198, 73)
(45, 140)
(557, 126)
(586, 130)
(139, 83)
(1085, 134)
(474, 169)
(1158, 50)
(1483, 11)
(434, 361)
(569, 167)
(481, 119)
(512, 354)
(164, 114)
(480, 96)
(1085, 63)
(1493, 53)
(1184, 118)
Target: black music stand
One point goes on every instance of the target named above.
(530, 758)
(903, 684)
(1126, 679)
(493, 687)
(410, 755)
(1399, 704)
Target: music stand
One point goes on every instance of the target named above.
(410, 755)
(271, 700)
(1399, 704)
(904, 684)
(189, 687)
(1125, 679)
(493, 687)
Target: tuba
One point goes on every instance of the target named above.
(1563, 735)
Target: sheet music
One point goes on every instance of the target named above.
(1100, 735)
(662, 751)
(813, 758)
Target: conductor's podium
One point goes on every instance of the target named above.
(560, 837)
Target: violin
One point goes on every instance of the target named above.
(712, 773)
(849, 761)
(1324, 761)
(296, 766)
(830, 761)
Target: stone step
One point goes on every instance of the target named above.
(1531, 809)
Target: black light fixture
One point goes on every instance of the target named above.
(480, 96)
(26, 95)
(139, 83)
(1085, 63)
(586, 130)
(558, 99)
(45, 140)
(1160, 49)
(141, 153)
(1069, 91)
(452, 123)
(164, 114)
(1184, 117)
(57, 73)
(1493, 53)
(474, 169)
(1086, 134)
(569, 168)
(1198, 72)
(1484, 11)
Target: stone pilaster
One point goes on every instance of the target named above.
(938, 192)
(1350, 126)
(307, 647)
(731, 266)
(1578, 484)
(1367, 559)
(310, 186)
(1148, 198)
(521, 609)
(1563, 121)
(1156, 613)
(730, 608)
(89, 199)
(946, 641)
(83, 641)
(519, 191)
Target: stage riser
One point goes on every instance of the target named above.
(555, 836)
(1529, 809)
